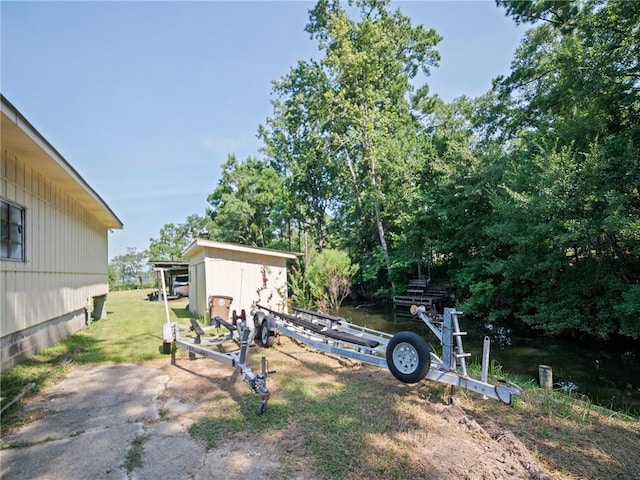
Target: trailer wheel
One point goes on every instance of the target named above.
(257, 319)
(265, 338)
(408, 357)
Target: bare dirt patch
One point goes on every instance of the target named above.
(433, 439)
(335, 418)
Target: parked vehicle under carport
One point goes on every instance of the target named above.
(181, 286)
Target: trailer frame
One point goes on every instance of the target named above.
(239, 331)
(236, 359)
(406, 354)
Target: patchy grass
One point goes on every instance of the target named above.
(133, 459)
(569, 435)
(338, 419)
(342, 420)
(132, 332)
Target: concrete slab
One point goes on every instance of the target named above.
(169, 452)
(98, 454)
(88, 423)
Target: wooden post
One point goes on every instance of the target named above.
(546, 377)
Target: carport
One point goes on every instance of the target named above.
(172, 270)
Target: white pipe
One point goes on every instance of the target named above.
(485, 359)
(164, 295)
(240, 299)
(18, 397)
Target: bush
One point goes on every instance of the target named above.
(325, 282)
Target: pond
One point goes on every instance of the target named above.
(607, 373)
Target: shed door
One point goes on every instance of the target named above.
(200, 302)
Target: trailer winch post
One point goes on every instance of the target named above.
(448, 360)
(460, 353)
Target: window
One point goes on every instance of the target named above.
(11, 232)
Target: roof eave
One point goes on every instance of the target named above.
(200, 243)
(39, 151)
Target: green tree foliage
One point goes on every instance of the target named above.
(325, 281)
(370, 61)
(130, 266)
(343, 128)
(455, 199)
(527, 196)
(113, 275)
(174, 239)
(559, 244)
(298, 144)
(247, 206)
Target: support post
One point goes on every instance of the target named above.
(546, 376)
(485, 359)
(164, 294)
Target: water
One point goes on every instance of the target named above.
(608, 374)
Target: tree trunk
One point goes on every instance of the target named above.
(381, 235)
(319, 232)
(383, 244)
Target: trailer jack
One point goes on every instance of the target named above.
(236, 359)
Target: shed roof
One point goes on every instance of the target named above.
(199, 244)
(19, 136)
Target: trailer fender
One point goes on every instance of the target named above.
(266, 328)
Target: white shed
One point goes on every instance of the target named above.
(53, 243)
(246, 274)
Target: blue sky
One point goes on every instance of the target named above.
(147, 99)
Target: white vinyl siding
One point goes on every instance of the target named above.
(235, 271)
(65, 263)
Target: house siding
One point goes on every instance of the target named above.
(63, 280)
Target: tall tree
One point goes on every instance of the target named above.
(370, 62)
(247, 205)
(174, 238)
(298, 144)
(130, 265)
(562, 247)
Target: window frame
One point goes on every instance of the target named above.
(6, 225)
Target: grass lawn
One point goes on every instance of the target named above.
(338, 419)
(131, 332)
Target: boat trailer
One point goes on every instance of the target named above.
(239, 331)
(406, 354)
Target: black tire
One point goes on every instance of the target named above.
(265, 337)
(408, 357)
(258, 317)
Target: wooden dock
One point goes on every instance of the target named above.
(420, 293)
